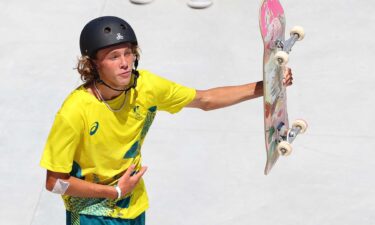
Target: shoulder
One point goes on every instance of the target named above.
(148, 81)
(75, 102)
(152, 80)
(146, 75)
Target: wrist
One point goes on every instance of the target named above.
(118, 192)
(258, 90)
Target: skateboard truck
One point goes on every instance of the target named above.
(284, 147)
(296, 34)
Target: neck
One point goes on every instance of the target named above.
(105, 92)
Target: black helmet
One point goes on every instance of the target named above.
(103, 32)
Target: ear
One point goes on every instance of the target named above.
(95, 63)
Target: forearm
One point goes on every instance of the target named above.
(85, 189)
(226, 96)
(81, 188)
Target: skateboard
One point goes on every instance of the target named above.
(278, 135)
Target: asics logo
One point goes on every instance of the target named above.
(94, 128)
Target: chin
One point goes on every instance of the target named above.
(124, 84)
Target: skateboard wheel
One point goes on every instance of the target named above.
(284, 148)
(298, 30)
(302, 124)
(281, 58)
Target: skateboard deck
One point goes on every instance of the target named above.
(276, 123)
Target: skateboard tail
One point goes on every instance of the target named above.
(269, 15)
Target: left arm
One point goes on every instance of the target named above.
(221, 97)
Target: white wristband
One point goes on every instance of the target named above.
(118, 192)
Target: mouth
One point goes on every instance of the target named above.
(125, 74)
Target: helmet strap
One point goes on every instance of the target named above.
(135, 63)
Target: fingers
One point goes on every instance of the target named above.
(288, 73)
(288, 77)
(129, 171)
(130, 179)
(288, 81)
(132, 174)
(141, 172)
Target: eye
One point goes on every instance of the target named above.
(113, 57)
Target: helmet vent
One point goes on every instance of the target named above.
(123, 26)
(107, 30)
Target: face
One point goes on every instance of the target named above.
(115, 65)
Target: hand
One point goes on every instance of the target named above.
(288, 77)
(128, 181)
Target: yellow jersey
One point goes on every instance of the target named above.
(93, 143)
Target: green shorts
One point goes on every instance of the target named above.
(101, 220)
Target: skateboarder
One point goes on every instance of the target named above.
(93, 152)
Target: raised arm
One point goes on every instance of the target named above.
(221, 97)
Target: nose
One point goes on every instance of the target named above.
(124, 62)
